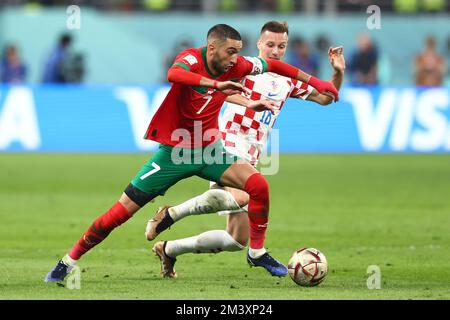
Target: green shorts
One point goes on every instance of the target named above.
(170, 165)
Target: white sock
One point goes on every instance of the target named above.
(69, 261)
(228, 212)
(213, 241)
(256, 253)
(211, 201)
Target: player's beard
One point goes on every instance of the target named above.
(217, 65)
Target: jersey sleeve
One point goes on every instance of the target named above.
(300, 90)
(188, 60)
(251, 66)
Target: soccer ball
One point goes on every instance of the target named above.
(308, 267)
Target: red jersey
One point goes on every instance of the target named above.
(188, 116)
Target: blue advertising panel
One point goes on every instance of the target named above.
(115, 118)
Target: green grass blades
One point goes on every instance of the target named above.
(390, 211)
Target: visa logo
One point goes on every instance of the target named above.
(18, 119)
(141, 111)
(401, 119)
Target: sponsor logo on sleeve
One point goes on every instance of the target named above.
(190, 59)
(257, 65)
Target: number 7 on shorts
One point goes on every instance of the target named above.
(155, 169)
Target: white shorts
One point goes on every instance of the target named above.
(241, 146)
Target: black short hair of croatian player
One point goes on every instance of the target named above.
(65, 39)
(275, 26)
(223, 32)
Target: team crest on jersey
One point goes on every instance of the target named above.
(190, 59)
(274, 85)
(275, 89)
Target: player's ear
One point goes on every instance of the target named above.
(258, 43)
(211, 48)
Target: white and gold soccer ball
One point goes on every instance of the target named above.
(308, 267)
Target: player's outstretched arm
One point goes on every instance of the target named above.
(285, 69)
(179, 75)
(337, 61)
(319, 98)
(257, 105)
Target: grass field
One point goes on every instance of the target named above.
(392, 211)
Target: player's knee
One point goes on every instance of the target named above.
(257, 187)
(218, 199)
(134, 199)
(129, 204)
(239, 196)
(215, 195)
(241, 199)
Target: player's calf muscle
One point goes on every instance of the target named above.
(237, 227)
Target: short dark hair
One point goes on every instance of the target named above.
(223, 32)
(65, 39)
(275, 26)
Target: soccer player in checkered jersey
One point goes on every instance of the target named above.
(186, 126)
(244, 133)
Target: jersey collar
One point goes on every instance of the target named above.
(203, 52)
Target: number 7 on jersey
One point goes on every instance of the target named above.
(208, 99)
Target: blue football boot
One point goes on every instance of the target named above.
(58, 273)
(270, 264)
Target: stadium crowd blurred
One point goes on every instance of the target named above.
(281, 6)
(60, 66)
(429, 67)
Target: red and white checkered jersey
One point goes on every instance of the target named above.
(244, 131)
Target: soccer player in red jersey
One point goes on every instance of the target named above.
(244, 133)
(186, 126)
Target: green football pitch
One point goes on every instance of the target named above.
(390, 211)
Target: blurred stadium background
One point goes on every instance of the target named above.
(149, 32)
(91, 86)
(119, 52)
